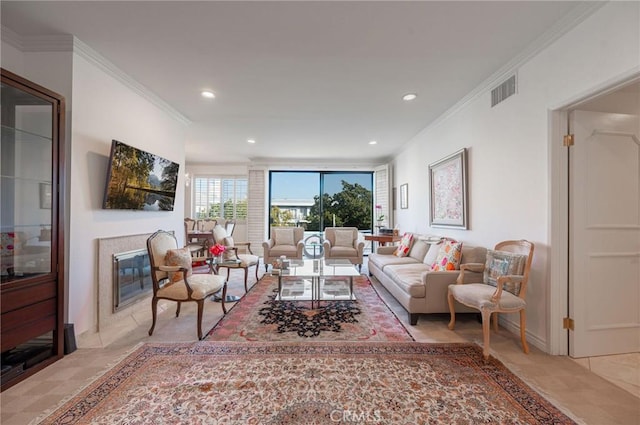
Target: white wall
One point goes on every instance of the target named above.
(509, 171)
(106, 109)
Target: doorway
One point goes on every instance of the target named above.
(603, 173)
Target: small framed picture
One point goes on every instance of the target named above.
(404, 196)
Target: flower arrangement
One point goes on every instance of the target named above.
(380, 215)
(217, 249)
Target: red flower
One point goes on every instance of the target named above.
(217, 249)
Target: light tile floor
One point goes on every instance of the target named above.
(571, 385)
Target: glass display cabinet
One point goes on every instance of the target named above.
(31, 245)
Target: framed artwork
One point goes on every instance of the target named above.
(45, 196)
(448, 197)
(404, 196)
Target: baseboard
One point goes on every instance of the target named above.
(514, 328)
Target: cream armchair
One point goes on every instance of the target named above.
(173, 279)
(344, 242)
(284, 241)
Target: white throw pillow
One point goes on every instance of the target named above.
(432, 254)
(283, 236)
(344, 238)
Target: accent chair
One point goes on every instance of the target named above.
(344, 242)
(286, 241)
(505, 274)
(243, 260)
(173, 279)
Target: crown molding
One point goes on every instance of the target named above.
(69, 43)
(48, 43)
(560, 28)
(10, 37)
(84, 50)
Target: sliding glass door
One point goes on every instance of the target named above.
(316, 200)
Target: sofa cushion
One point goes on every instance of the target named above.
(381, 260)
(418, 249)
(405, 245)
(473, 254)
(408, 277)
(449, 256)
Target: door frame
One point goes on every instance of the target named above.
(558, 295)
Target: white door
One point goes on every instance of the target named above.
(604, 232)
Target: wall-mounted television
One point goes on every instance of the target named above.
(139, 180)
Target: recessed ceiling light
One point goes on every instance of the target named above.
(252, 141)
(409, 96)
(208, 94)
(373, 142)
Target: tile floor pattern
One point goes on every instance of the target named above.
(570, 384)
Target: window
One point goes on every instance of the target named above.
(224, 197)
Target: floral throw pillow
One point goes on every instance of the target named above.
(448, 257)
(178, 257)
(405, 245)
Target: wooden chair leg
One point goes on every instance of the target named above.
(495, 322)
(246, 275)
(178, 309)
(154, 314)
(452, 311)
(257, 267)
(486, 329)
(523, 331)
(200, 309)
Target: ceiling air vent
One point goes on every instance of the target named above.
(503, 91)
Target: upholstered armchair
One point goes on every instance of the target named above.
(173, 280)
(345, 243)
(505, 275)
(287, 241)
(244, 259)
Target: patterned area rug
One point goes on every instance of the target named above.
(307, 383)
(257, 317)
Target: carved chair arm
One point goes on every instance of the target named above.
(508, 278)
(184, 275)
(247, 245)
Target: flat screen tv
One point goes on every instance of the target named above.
(139, 180)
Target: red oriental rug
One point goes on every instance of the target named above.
(307, 383)
(257, 317)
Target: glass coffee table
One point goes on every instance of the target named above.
(316, 281)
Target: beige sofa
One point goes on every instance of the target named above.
(410, 280)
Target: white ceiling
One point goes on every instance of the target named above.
(306, 80)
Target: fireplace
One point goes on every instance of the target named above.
(131, 277)
(108, 296)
